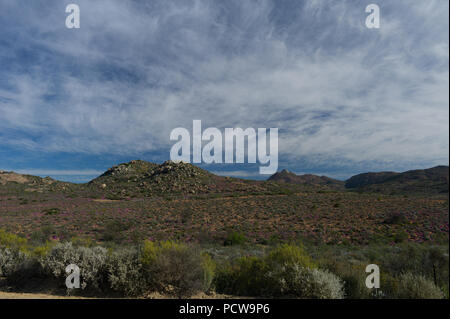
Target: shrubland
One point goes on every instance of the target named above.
(171, 268)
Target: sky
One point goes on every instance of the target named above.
(346, 99)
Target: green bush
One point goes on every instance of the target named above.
(286, 271)
(412, 286)
(209, 268)
(26, 273)
(246, 276)
(300, 282)
(234, 238)
(114, 231)
(125, 273)
(173, 268)
(10, 261)
(290, 254)
(353, 277)
(19, 268)
(91, 262)
(12, 241)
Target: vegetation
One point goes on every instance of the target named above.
(178, 230)
(181, 270)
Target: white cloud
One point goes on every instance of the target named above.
(339, 93)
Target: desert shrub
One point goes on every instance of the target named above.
(26, 273)
(91, 262)
(18, 268)
(18, 259)
(412, 286)
(395, 219)
(290, 254)
(246, 276)
(234, 238)
(287, 270)
(10, 260)
(114, 231)
(255, 276)
(51, 211)
(300, 282)
(114, 197)
(427, 261)
(173, 268)
(12, 241)
(42, 250)
(400, 236)
(353, 277)
(81, 241)
(209, 268)
(125, 273)
(41, 236)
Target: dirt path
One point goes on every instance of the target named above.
(19, 295)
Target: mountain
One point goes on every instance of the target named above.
(145, 178)
(22, 182)
(428, 181)
(433, 180)
(140, 178)
(286, 176)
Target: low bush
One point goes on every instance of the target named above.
(300, 282)
(125, 273)
(234, 238)
(246, 276)
(12, 241)
(286, 271)
(91, 262)
(173, 268)
(412, 286)
(209, 269)
(353, 277)
(10, 261)
(19, 269)
(290, 254)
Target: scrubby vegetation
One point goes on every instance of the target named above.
(177, 201)
(178, 230)
(359, 219)
(182, 270)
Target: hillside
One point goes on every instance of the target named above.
(14, 182)
(141, 178)
(306, 179)
(424, 181)
(181, 201)
(421, 181)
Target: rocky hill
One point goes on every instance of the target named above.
(427, 181)
(14, 182)
(146, 179)
(286, 176)
(143, 179)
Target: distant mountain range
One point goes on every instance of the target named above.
(305, 179)
(432, 180)
(141, 178)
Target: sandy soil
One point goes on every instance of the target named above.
(17, 295)
(20, 295)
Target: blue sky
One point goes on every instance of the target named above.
(346, 99)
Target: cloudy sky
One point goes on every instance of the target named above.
(346, 99)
